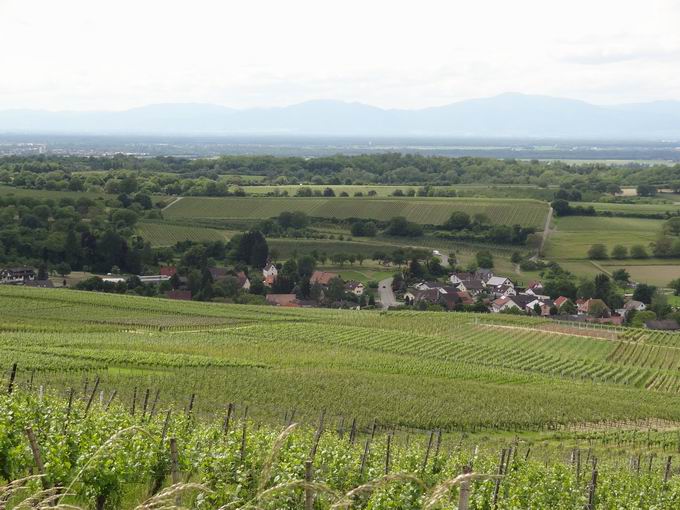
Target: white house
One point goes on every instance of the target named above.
(497, 281)
(356, 288)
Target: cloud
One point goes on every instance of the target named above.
(609, 56)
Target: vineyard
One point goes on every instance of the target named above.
(82, 449)
(130, 402)
(167, 234)
(419, 210)
(457, 372)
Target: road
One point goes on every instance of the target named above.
(385, 293)
(546, 231)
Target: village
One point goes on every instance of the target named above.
(481, 291)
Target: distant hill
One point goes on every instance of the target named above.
(506, 115)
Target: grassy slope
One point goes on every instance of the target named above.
(406, 368)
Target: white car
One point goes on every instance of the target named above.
(436, 253)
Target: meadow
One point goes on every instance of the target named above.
(419, 210)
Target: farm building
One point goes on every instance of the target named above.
(16, 275)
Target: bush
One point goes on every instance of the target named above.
(597, 252)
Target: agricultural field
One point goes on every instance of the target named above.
(457, 372)
(660, 206)
(574, 235)
(419, 210)
(161, 234)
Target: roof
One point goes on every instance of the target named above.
(664, 325)
(322, 277)
(502, 301)
(522, 300)
(184, 295)
(430, 295)
(281, 299)
(217, 272)
(633, 304)
(17, 269)
(534, 284)
(168, 271)
(269, 267)
(242, 278)
(560, 301)
(474, 284)
(495, 281)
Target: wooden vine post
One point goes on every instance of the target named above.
(174, 464)
(464, 494)
(12, 376)
(37, 457)
(309, 491)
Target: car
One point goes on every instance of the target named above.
(436, 253)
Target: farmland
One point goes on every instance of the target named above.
(574, 235)
(419, 210)
(111, 386)
(409, 369)
(167, 234)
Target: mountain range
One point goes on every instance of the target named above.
(506, 115)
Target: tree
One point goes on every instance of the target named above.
(638, 251)
(675, 285)
(484, 259)
(458, 220)
(401, 227)
(621, 276)
(619, 252)
(253, 249)
(568, 308)
(646, 190)
(328, 192)
(603, 287)
(640, 318)
(561, 207)
(62, 269)
(597, 252)
(672, 226)
(644, 292)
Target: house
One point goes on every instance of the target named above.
(415, 296)
(560, 301)
(428, 285)
(497, 281)
(543, 304)
(322, 277)
(182, 295)
(536, 293)
(663, 325)
(169, 271)
(114, 279)
(630, 306)
(457, 278)
(503, 290)
(535, 286)
(243, 281)
(356, 288)
(16, 275)
(289, 300)
(270, 271)
(155, 278)
(218, 273)
(589, 306)
(504, 304)
(474, 287)
(484, 274)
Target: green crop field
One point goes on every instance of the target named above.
(654, 208)
(167, 234)
(574, 235)
(126, 398)
(420, 210)
(406, 368)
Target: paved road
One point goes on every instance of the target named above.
(385, 293)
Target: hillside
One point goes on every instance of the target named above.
(406, 369)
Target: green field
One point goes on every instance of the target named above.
(574, 235)
(454, 371)
(167, 234)
(419, 210)
(655, 208)
(109, 387)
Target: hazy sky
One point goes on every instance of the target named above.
(116, 54)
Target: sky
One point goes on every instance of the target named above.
(115, 55)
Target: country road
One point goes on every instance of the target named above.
(172, 203)
(546, 231)
(385, 293)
